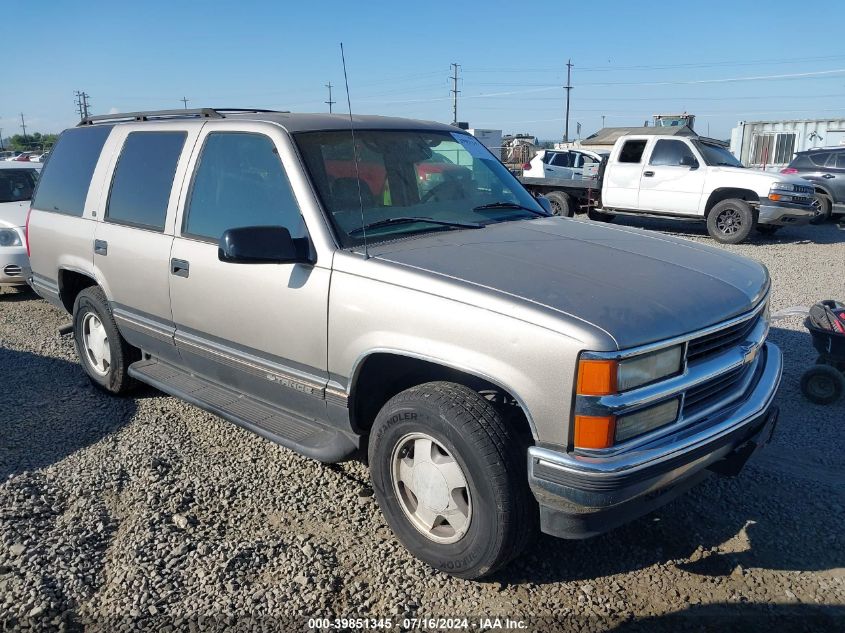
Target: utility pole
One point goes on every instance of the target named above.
(568, 87)
(23, 127)
(455, 92)
(82, 103)
(78, 103)
(330, 102)
(1, 140)
(185, 101)
(602, 120)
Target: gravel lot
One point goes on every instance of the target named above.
(150, 513)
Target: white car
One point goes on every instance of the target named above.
(17, 182)
(564, 163)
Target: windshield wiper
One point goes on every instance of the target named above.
(411, 220)
(508, 205)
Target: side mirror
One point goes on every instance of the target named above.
(262, 245)
(544, 202)
(689, 161)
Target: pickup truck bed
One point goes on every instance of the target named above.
(580, 194)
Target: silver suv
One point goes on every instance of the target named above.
(344, 294)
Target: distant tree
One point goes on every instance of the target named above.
(33, 142)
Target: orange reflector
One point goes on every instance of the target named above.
(774, 196)
(594, 432)
(596, 377)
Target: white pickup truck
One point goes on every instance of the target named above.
(685, 178)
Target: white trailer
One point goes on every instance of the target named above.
(770, 145)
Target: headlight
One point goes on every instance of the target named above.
(605, 377)
(646, 420)
(10, 237)
(783, 186)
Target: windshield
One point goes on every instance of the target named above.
(410, 183)
(17, 185)
(717, 155)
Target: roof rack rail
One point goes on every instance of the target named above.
(201, 113)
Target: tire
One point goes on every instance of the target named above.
(822, 384)
(491, 518)
(106, 364)
(560, 204)
(730, 221)
(825, 206)
(600, 216)
(768, 229)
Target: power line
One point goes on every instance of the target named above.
(330, 102)
(455, 92)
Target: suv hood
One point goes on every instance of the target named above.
(760, 175)
(637, 286)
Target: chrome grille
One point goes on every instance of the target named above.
(716, 342)
(12, 271)
(711, 392)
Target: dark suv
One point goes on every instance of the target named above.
(825, 168)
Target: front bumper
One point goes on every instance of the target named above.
(580, 496)
(14, 265)
(784, 213)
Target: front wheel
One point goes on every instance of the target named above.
(730, 221)
(104, 354)
(824, 206)
(450, 477)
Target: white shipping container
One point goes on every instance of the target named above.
(771, 145)
(491, 139)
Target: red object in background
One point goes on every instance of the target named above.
(789, 170)
(24, 158)
(26, 232)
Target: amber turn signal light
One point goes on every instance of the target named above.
(594, 431)
(596, 377)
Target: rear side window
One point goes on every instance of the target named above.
(240, 182)
(16, 185)
(632, 151)
(670, 153)
(840, 160)
(819, 159)
(562, 160)
(143, 179)
(65, 179)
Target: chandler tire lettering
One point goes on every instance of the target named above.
(449, 476)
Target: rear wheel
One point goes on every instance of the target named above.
(560, 204)
(104, 354)
(823, 205)
(822, 384)
(730, 221)
(450, 477)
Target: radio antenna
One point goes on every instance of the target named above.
(355, 154)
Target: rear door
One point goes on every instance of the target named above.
(673, 180)
(559, 165)
(834, 176)
(621, 184)
(133, 239)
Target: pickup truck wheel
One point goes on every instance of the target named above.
(560, 204)
(730, 221)
(104, 354)
(824, 205)
(450, 477)
(600, 216)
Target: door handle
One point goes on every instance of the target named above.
(101, 247)
(179, 267)
(828, 176)
(648, 174)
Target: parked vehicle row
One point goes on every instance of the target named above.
(503, 369)
(17, 183)
(825, 168)
(685, 178)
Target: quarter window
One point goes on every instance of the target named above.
(671, 153)
(840, 160)
(64, 183)
(143, 179)
(239, 182)
(632, 151)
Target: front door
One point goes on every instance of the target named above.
(673, 180)
(258, 328)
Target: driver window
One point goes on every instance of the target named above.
(239, 181)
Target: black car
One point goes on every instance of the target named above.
(825, 168)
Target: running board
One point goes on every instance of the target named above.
(308, 437)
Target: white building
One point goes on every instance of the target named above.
(771, 145)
